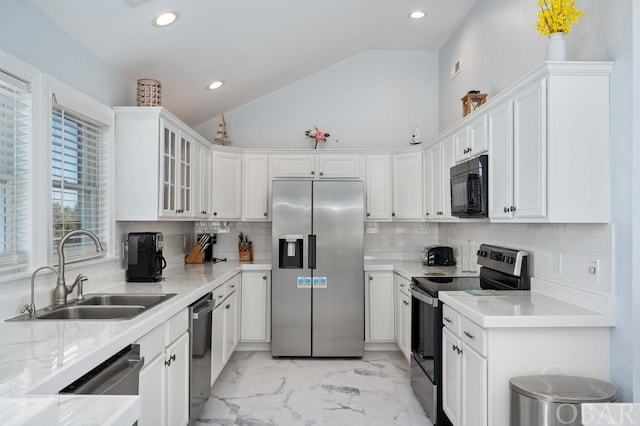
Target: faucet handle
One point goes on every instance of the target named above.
(78, 282)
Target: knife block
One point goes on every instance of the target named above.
(246, 251)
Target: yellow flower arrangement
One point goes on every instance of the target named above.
(557, 16)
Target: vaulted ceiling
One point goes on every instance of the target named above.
(255, 47)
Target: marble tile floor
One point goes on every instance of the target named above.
(255, 389)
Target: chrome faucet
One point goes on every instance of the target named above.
(31, 308)
(62, 290)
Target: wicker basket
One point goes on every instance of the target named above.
(149, 92)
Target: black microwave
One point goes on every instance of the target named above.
(470, 188)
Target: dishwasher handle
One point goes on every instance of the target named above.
(119, 375)
(204, 310)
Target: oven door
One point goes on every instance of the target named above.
(426, 336)
(424, 318)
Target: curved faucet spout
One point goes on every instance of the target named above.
(61, 291)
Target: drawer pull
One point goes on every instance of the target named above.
(469, 335)
(447, 319)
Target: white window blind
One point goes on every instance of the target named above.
(78, 181)
(15, 139)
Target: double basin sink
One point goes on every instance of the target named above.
(101, 306)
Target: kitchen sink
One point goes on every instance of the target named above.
(146, 300)
(78, 312)
(100, 306)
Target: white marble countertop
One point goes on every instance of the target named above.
(410, 269)
(42, 357)
(522, 309)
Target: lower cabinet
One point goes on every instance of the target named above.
(225, 325)
(477, 363)
(255, 306)
(164, 380)
(379, 307)
(464, 399)
(403, 315)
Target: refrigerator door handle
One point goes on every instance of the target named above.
(312, 251)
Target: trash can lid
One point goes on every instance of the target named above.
(563, 389)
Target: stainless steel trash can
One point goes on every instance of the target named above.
(554, 400)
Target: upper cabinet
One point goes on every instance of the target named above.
(227, 185)
(378, 187)
(471, 139)
(317, 166)
(549, 151)
(255, 187)
(406, 186)
(439, 158)
(155, 163)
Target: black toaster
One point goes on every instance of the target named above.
(438, 256)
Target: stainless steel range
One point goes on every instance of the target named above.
(501, 269)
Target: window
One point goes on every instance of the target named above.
(78, 170)
(15, 139)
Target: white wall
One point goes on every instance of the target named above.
(497, 43)
(371, 100)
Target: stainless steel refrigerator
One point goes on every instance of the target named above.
(317, 299)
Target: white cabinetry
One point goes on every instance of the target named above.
(439, 158)
(225, 326)
(164, 380)
(378, 192)
(155, 160)
(471, 139)
(539, 134)
(464, 370)
(255, 187)
(380, 310)
(407, 184)
(227, 185)
(403, 315)
(317, 166)
(477, 362)
(202, 185)
(256, 307)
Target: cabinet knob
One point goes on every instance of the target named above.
(215, 213)
(312, 172)
(368, 214)
(264, 277)
(228, 306)
(393, 214)
(512, 208)
(321, 173)
(506, 209)
(426, 214)
(370, 278)
(265, 214)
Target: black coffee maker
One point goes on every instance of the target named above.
(145, 260)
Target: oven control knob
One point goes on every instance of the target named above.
(509, 260)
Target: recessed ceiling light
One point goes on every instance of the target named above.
(215, 85)
(165, 19)
(417, 14)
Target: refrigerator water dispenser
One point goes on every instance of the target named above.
(290, 252)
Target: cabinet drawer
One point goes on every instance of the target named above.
(231, 284)
(176, 326)
(451, 320)
(218, 294)
(152, 344)
(474, 336)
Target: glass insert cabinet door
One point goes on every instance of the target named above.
(169, 179)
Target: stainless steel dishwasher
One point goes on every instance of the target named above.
(119, 375)
(200, 369)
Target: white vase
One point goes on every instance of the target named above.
(557, 47)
